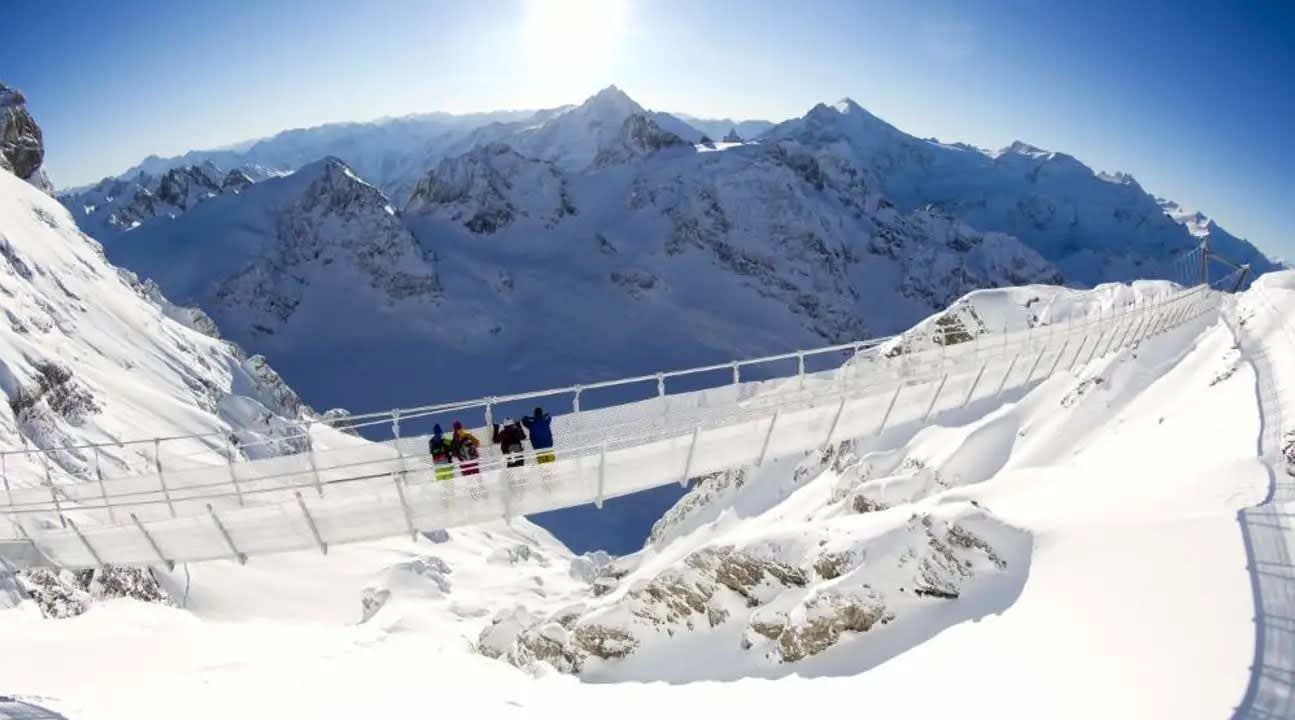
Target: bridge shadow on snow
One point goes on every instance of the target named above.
(1267, 533)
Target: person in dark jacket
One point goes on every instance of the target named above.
(541, 426)
(442, 457)
(509, 437)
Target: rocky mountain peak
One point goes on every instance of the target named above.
(22, 149)
(639, 136)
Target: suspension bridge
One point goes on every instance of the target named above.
(337, 487)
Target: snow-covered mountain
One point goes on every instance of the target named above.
(1094, 226)
(90, 353)
(534, 258)
(119, 205)
(392, 153)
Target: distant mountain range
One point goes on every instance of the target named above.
(440, 258)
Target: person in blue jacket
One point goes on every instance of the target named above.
(540, 425)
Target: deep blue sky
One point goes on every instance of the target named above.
(1196, 100)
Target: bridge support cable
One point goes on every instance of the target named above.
(170, 565)
(224, 533)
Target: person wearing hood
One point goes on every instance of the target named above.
(541, 426)
(442, 458)
(509, 437)
(464, 446)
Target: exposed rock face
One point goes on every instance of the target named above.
(22, 149)
(337, 219)
(63, 594)
(792, 595)
(492, 186)
(120, 204)
(639, 137)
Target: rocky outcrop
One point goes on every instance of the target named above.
(490, 188)
(639, 137)
(63, 594)
(793, 596)
(337, 219)
(22, 148)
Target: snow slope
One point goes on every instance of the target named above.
(1109, 496)
(90, 353)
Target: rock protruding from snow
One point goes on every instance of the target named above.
(22, 149)
(639, 137)
(62, 594)
(788, 595)
(492, 187)
(731, 136)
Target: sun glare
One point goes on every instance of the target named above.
(572, 42)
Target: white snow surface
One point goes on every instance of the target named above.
(1125, 591)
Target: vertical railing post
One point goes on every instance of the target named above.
(490, 412)
(170, 564)
(575, 400)
(310, 522)
(1010, 367)
(4, 476)
(800, 368)
(692, 448)
(1096, 344)
(397, 479)
(737, 373)
(768, 436)
(233, 476)
(975, 383)
(930, 405)
(1078, 351)
(836, 420)
(229, 539)
(886, 418)
(98, 561)
(103, 489)
(314, 466)
(53, 492)
(1060, 353)
(1037, 359)
(161, 475)
(602, 475)
(660, 384)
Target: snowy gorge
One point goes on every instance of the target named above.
(1082, 513)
